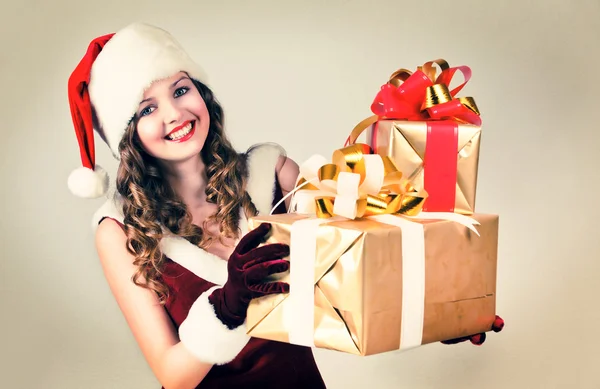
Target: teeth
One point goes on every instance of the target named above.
(181, 133)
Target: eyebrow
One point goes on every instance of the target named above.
(172, 85)
(182, 78)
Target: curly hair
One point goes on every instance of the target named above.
(150, 204)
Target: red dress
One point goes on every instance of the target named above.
(262, 363)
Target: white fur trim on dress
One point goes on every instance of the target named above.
(200, 262)
(262, 161)
(206, 337)
(129, 63)
(111, 208)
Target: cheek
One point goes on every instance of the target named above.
(205, 118)
(150, 133)
(198, 107)
(149, 130)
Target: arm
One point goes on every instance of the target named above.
(213, 331)
(287, 171)
(172, 363)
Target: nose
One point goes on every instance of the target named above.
(172, 112)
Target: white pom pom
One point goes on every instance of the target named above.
(88, 183)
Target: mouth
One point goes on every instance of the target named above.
(182, 133)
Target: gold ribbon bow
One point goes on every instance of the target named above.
(354, 184)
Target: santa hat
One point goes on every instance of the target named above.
(106, 87)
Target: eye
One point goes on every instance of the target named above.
(181, 91)
(146, 111)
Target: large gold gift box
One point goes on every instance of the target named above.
(358, 287)
(405, 143)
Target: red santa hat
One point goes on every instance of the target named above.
(106, 87)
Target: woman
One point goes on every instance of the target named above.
(173, 242)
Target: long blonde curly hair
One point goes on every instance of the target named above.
(150, 203)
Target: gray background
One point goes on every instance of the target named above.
(303, 74)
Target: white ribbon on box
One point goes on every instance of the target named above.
(299, 311)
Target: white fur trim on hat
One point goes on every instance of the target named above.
(262, 161)
(206, 337)
(129, 63)
(87, 183)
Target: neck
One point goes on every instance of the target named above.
(188, 179)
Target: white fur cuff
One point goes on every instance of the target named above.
(205, 336)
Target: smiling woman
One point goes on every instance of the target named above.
(173, 242)
(173, 120)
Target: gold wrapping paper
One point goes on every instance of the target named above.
(404, 142)
(358, 293)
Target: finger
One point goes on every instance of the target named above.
(478, 339)
(253, 238)
(265, 289)
(259, 272)
(455, 340)
(498, 324)
(265, 253)
(276, 267)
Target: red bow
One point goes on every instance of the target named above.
(421, 96)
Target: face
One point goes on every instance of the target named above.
(173, 120)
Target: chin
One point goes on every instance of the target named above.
(187, 150)
(185, 155)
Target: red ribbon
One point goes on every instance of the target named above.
(440, 166)
(407, 102)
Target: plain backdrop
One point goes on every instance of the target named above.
(303, 74)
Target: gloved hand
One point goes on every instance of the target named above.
(248, 266)
(477, 339)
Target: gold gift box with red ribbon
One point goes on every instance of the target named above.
(430, 134)
(369, 271)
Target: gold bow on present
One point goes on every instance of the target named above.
(354, 184)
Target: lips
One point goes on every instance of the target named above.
(182, 132)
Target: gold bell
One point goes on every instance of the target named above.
(436, 94)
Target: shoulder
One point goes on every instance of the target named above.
(264, 159)
(269, 172)
(261, 162)
(109, 238)
(287, 171)
(112, 209)
(107, 225)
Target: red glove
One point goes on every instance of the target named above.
(478, 339)
(248, 266)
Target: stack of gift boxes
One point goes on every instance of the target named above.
(387, 251)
